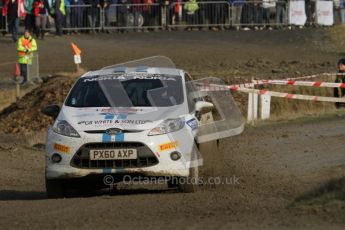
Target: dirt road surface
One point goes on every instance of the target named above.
(278, 174)
(275, 164)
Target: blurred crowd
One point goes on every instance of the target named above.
(92, 16)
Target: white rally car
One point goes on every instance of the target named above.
(136, 118)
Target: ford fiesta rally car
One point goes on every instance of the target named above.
(132, 119)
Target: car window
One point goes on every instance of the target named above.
(127, 91)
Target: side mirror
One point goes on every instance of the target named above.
(51, 110)
(202, 107)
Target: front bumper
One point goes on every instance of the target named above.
(164, 165)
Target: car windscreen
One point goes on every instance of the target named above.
(136, 90)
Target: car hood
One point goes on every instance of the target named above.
(133, 118)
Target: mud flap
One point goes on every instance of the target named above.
(209, 151)
(227, 118)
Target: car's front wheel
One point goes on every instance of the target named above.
(55, 188)
(190, 184)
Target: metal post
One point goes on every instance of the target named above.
(17, 91)
(230, 14)
(253, 105)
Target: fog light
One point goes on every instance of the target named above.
(56, 158)
(175, 156)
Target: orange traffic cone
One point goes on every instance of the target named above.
(17, 70)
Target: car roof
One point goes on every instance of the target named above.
(134, 70)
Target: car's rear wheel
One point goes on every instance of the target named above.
(190, 184)
(55, 188)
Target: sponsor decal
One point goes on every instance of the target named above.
(297, 13)
(116, 111)
(120, 137)
(193, 123)
(168, 146)
(62, 148)
(96, 122)
(109, 116)
(142, 76)
(108, 122)
(116, 116)
(132, 122)
(83, 115)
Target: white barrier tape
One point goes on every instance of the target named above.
(214, 87)
(300, 83)
(291, 96)
(248, 88)
(316, 75)
(294, 81)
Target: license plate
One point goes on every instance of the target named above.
(113, 154)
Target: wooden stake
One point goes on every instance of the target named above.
(77, 67)
(253, 105)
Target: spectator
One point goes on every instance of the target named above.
(342, 11)
(26, 46)
(163, 13)
(67, 23)
(136, 10)
(250, 14)
(310, 11)
(57, 11)
(340, 92)
(191, 8)
(13, 14)
(267, 5)
(92, 13)
(281, 6)
(258, 14)
(237, 6)
(30, 17)
(41, 9)
(77, 11)
(2, 16)
(175, 8)
(216, 14)
(150, 13)
(110, 12)
(122, 15)
(50, 19)
(204, 13)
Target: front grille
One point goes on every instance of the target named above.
(146, 157)
(104, 131)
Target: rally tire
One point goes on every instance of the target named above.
(55, 188)
(190, 183)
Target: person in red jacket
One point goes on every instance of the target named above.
(41, 10)
(2, 16)
(10, 9)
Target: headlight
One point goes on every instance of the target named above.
(167, 126)
(64, 128)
